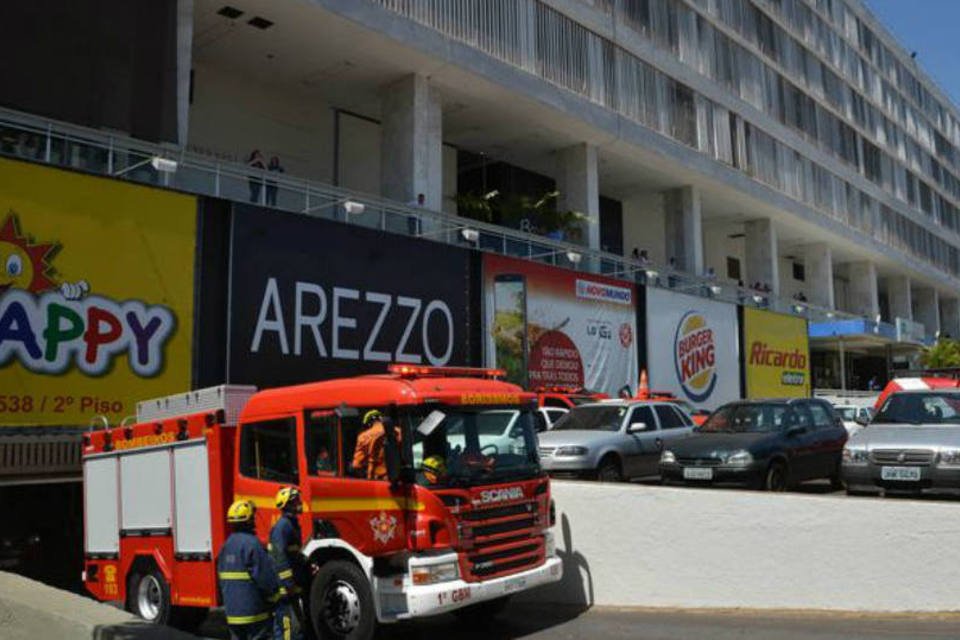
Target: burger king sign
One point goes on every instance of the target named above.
(695, 356)
(693, 348)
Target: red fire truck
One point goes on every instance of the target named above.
(156, 495)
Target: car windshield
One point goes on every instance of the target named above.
(920, 408)
(592, 418)
(847, 414)
(475, 446)
(746, 418)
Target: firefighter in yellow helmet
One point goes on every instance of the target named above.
(248, 579)
(292, 569)
(433, 470)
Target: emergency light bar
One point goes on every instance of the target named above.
(412, 371)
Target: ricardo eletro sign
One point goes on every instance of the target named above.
(776, 354)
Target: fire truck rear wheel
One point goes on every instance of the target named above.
(341, 604)
(149, 597)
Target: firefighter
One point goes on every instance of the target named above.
(433, 470)
(248, 579)
(285, 540)
(369, 458)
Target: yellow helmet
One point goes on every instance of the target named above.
(435, 465)
(241, 512)
(289, 498)
(371, 416)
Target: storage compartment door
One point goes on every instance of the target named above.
(145, 487)
(192, 528)
(100, 507)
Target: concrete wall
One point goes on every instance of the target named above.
(667, 547)
(718, 246)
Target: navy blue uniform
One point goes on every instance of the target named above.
(294, 575)
(248, 582)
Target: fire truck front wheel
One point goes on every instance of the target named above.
(341, 603)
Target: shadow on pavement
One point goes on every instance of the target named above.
(138, 631)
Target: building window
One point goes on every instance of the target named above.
(733, 268)
(799, 272)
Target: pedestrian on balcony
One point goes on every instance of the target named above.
(413, 222)
(255, 161)
(274, 167)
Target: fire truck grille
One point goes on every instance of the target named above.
(505, 540)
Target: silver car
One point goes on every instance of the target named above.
(612, 440)
(912, 444)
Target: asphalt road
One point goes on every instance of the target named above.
(540, 622)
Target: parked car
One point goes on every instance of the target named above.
(912, 444)
(854, 418)
(613, 440)
(765, 444)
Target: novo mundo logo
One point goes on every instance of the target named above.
(695, 356)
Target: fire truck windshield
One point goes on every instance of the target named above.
(454, 446)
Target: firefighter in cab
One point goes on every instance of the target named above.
(369, 457)
(292, 569)
(433, 471)
(248, 579)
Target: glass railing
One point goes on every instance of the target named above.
(36, 139)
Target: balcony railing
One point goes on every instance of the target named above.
(40, 140)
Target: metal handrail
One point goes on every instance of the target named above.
(38, 139)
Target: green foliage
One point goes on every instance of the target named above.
(513, 209)
(942, 355)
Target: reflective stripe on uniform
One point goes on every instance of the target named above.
(286, 574)
(234, 575)
(275, 597)
(260, 617)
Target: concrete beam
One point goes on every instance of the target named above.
(411, 142)
(818, 268)
(763, 260)
(684, 229)
(579, 188)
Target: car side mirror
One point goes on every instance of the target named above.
(637, 427)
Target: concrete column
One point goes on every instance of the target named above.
(926, 309)
(763, 260)
(950, 317)
(684, 228)
(900, 296)
(818, 271)
(411, 142)
(184, 66)
(579, 188)
(863, 293)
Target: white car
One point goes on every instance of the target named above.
(854, 417)
(550, 417)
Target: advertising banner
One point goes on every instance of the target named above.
(692, 348)
(552, 327)
(96, 295)
(312, 299)
(776, 355)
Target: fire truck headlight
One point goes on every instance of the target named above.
(434, 573)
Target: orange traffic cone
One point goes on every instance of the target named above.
(643, 390)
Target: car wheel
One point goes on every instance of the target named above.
(777, 478)
(609, 470)
(341, 604)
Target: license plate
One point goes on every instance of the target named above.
(900, 473)
(515, 584)
(697, 473)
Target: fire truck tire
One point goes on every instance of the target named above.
(341, 603)
(482, 614)
(148, 596)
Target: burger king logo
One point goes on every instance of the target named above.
(695, 356)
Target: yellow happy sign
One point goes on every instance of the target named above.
(776, 355)
(96, 295)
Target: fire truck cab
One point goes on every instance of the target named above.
(156, 495)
